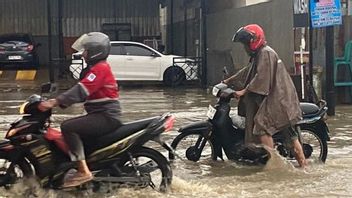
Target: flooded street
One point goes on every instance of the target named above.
(207, 178)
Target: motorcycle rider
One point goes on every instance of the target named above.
(99, 90)
(268, 98)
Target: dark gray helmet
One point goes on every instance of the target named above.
(96, 44)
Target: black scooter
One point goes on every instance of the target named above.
(32, 148)
(217, 133)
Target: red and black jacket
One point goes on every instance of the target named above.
(98, 89)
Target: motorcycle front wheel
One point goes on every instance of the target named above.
(314, 147)
(11, 172)
(192, 146)
(151, 163)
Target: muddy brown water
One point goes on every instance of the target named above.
(207, 178)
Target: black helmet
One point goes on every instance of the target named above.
(96, 44)
(30, 106)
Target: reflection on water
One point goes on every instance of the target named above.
(207, 178)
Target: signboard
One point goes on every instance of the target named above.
(300, 13)
(300, 6)
(325, 13)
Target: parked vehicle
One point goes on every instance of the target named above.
(18, 51)
(32, 148)
(132, 61)
(208, 138)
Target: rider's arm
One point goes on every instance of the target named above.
(74, 95)
(239, 77)
(260, 84)
(92, 82)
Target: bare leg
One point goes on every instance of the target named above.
(82, 175)
(299, 155)
(83, 167)
(267, 140)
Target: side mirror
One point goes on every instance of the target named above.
(154, 54)
(225, 71)
(48, 87)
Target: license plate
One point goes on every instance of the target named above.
(211, 112)
(15, 57)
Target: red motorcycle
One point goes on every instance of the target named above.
(32, 148)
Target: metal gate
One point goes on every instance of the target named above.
(192, 67)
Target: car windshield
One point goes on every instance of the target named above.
(15, 43)
(15, 37)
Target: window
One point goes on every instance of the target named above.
(116, 50)
(134, 50)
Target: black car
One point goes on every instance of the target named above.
(18, 51)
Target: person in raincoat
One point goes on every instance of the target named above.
(268, 98)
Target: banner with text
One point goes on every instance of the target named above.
(325, 13)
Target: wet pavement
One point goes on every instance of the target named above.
(206, 178)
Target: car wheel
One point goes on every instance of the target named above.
(174, 76)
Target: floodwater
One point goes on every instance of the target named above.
(207, 178)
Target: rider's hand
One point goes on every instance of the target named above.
(46, 105)
(240, 93)
(225, 81)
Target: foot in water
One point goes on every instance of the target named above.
(255, 153)
(77, 179)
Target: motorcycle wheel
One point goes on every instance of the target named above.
(314, 147)
(11, 172)
(151, 163)
(184, 146)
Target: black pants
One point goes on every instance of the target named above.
(87, 126)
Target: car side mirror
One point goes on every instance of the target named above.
(154, 54)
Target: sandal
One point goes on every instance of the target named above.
(77, 179)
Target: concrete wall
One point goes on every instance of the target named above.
(276, 18)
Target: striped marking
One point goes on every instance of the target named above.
(26, 74)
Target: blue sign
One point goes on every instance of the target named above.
(325, 13)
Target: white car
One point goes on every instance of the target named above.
(132, 61)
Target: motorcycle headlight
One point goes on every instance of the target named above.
(14, 131)
(218, 88)
(215, 91)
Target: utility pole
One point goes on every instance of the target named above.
(204, 42)
(185, 26)
(329, 59)
(51, 68)
(326, 14)
(172, 27)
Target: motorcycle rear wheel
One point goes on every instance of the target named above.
(11, 172)
(315, 145)
(151, 163)
(184, 147)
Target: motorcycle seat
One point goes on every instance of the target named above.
(124, 131)
(309, 109)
